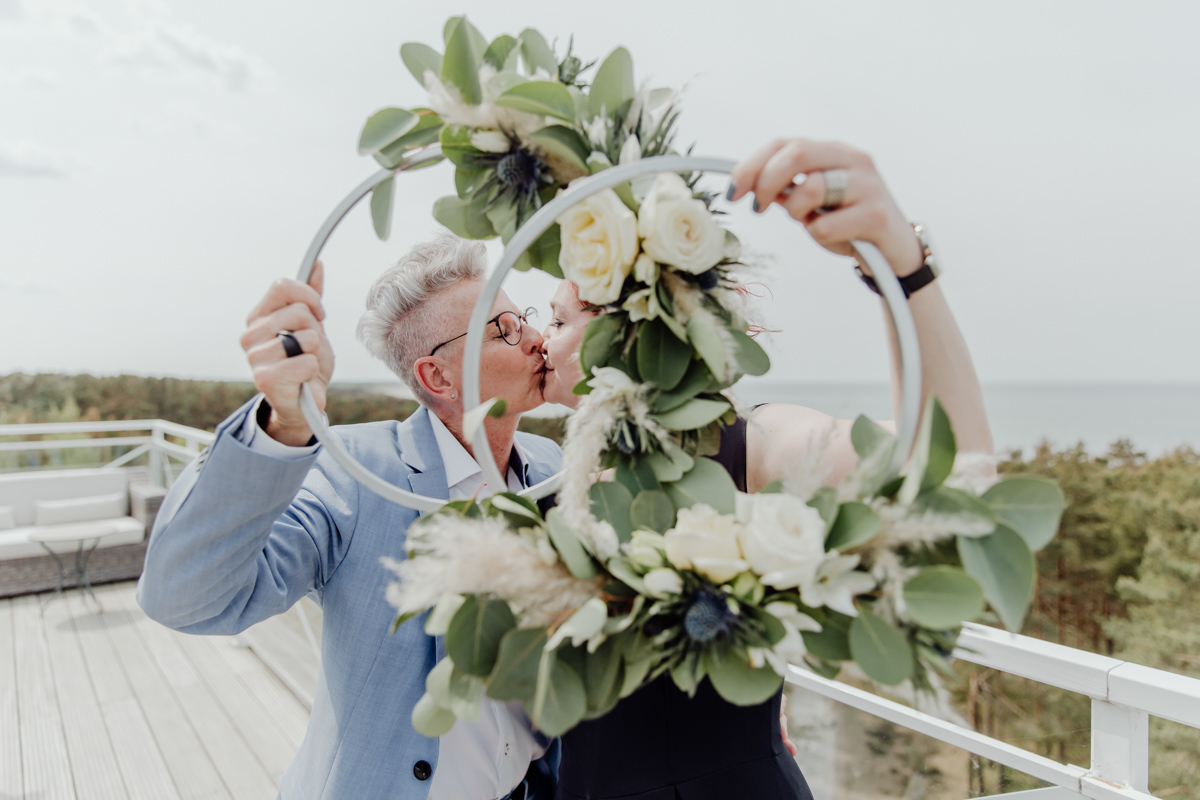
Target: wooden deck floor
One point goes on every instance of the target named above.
(114, 705)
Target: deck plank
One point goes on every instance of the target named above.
(89, 747)
(134, 750)
(266, 738)
(244, 776)
(11, 783)
(282, 706)
(194, 774)
(45, 764)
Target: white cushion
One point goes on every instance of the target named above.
(6, 518)
(80, 509)
(20, 490)
(123, 530)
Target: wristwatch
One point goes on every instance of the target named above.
(924, 275)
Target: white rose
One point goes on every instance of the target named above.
(490, 141)
(678, 229)
(663, 582)
(645, 548)
(645, 269)
(707, 542)
(782, 537)
(599, 244)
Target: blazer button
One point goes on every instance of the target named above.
(422, 770)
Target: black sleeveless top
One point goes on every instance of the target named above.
(659, 744)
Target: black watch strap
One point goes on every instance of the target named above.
(909, 283)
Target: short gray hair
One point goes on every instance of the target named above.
(396, 326)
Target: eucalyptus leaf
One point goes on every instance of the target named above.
(460, 64)
(636, 476)
(598, 339)
(832, 642)
(670, 464)
(855, 524)
(737, 681)
(751, 358)
(560, 700)
(457, 147)
(572, 552)
(706, 482)
(477, 38)
(473, 638)
(516, 505)
(652, 510)
(879, 648)
(430, 719)
(942, 597)
(536, 53)
(824, 500)
(954, 502)
(563, 142)
(543, 254)
(515, 674)
(454, 689)
(694, 381)
(1030, 505)
(868, 436)
(384, 127)
(613, 85)
(427, 131)
(544, 98)
(613, 503)
(498, 51)
(465, 218)
(661, 358)
(602, 677)
(1004, 566)
(381, 208)
(421, 58)
(695, 413)
(708, 344)
(933, 455)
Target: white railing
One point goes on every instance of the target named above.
(148, 437)
(1123, 695)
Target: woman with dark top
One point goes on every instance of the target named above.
(659, 744)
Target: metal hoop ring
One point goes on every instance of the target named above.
(534, 227)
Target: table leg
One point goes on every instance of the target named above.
(81, 561)
(62, 578)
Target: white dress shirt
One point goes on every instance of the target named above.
(482, 759)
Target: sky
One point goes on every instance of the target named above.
(161, 163)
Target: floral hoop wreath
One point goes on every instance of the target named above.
(525, 237)
(667, 569)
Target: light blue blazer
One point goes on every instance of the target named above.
(242, 536)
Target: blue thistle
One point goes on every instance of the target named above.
(707, 616)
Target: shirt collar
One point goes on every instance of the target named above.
(458, 462)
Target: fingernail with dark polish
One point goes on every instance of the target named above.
(730, 191)
(755, 206)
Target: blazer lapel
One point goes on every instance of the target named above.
(418, 449)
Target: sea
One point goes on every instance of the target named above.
(1155, 418)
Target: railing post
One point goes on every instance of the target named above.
(157, 459)
(1121, 745)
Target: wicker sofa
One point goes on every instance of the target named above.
(118, 503)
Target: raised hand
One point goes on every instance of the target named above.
(865, 211)
(289, 305)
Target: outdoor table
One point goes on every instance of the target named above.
(71, 535)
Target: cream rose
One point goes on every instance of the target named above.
(678, 229)
(782, 537)
(707, 542)
(599, 245)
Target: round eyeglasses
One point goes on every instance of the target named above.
(510, 324)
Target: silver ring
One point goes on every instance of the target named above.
(291, 346)
(836, 181)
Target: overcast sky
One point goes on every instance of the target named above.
(161, 163)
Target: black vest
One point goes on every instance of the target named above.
(659, 744)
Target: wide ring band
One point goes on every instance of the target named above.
(291, 345)
(836, 181)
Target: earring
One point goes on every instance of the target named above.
(453, 396)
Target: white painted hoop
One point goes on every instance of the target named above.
(534, 227)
